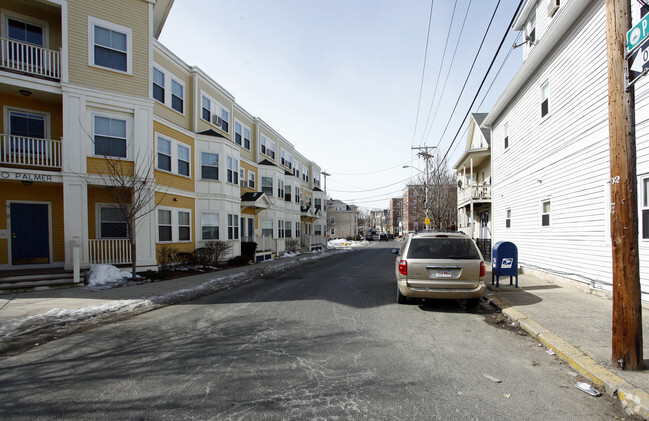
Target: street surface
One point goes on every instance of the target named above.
(325, 341)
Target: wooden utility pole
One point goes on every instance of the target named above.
(427, 156)
(627, 308)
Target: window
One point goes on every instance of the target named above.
(530, 36)
(209, 226)
(645, 208)
(110, 136)
(237, 133)
(286, 159)
(209, 166)
(316, 179)
(280, 188)
(280, 229)
(173, 156)
(251, 180)
(318, 230)
(305, 174)
(174, 225)
(183, 160)
(287, 193)
(242, 135)
(298, 228)
(232, 170)
(317, 204)
(267, 185)
(298, 195)
(287, 229)
(545, 213)
(508, 219)
(506, 130)
(545, 98)
(164, 225)
(24, 129)
(112, 222)
(242, 178)
(25, 32)
(233, 227)
(164, 154)
(177, 96)
(246, 138)
(110, 45)
(158, 85)
(214, 113)
(296, 168)
(267, 147)
(184, 226)
(267, 227)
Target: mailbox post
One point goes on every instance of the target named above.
(504, 262)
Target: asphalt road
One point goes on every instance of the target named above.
(325, 341)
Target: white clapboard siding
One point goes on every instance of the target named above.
(563, 157)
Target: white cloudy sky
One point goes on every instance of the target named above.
(340, 79)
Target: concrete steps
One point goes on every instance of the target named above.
(35, 280)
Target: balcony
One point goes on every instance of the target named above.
(475, 193)
(30, 152)
(21, 57)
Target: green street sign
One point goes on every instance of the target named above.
(637, 34)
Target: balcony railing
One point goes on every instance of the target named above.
(30, 152)
(109, 251)
(31, 59)
(476, 192)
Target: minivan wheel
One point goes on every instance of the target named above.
(401, 299)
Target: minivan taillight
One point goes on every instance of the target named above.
(403, 267)
(483, 269)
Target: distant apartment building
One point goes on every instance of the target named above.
(412, 209)
(395, 215)
(86, 87)
(343, 219)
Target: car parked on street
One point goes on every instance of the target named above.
(383, 237)
(439, 265)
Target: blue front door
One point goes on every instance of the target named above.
(30, 239)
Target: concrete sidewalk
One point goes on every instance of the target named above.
(577, 326)
(574, 324)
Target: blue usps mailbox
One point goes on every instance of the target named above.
(504, 262)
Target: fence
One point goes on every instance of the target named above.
(109, 252)
(29, 58)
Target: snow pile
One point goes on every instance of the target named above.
(289, 254)
(107, 276)
(341, 243)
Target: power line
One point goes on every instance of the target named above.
(423, 71)
(374, 172)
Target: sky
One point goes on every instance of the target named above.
(350, 83)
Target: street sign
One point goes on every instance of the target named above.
(427, 221)
(637, 34)
(638, 62)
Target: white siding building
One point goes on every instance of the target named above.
(550, 147)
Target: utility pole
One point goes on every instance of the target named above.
(423, 152)
(627, 309)
(325, 174)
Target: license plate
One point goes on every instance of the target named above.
(443, 273)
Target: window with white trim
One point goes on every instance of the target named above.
(287, 229)
(545, 99)
(112, 222)
(317, 229)
(267, 185)
(214, 112)
(287, 193)
(109, 45)
(158, 85)
(298, 229)
(109, 135)
(280, 188)
(506, 131)
(209, 226)
(174, 225)
(296, 168)
(298, 194)
(267, 227)
(232, 170)
(209, 166)
(645, 208)
(174, 97)
(286, 159)
(508, 219)
(316, 179)
(545, 213)
(233, 227)
(29, 32)
(267, 147)
(251, 180)
(177, 96)
(242, 177)
(242, 134)
(173, 156)
(280, 228)
(305, 174)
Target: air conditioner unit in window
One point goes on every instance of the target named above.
(553, 6)
(217, 120)
(244, 184)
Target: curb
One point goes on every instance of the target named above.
(631, 397)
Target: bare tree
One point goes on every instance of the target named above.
(442, 193)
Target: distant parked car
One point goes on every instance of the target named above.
(383, 237)
(390, 236)
(439, 265)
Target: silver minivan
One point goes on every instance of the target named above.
(439, 265)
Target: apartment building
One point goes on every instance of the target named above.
(93, 102)
(343, 219)
(413, 215)
(395, 216)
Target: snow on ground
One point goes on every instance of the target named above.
(105, 276)
(341, 243)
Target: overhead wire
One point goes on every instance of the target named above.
(423, 71)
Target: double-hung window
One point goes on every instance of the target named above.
(158, 85)
(545, 213)
(164, 154)
(296, 168)
(545, 99)
(506, 130)
(209, 166)
(174, 225)
(305, 174)
(26, 131)
(242, 135)
(508, 219)
(280, 188)
(110, 136)
(298, 229)
(645, 208)
(209, 226)
(112, 222)
(237, 132)
(232, 170)
(233, 227)
(280, 228)
(287, 229)
(110, 45)
(287, 195)
(267, 185)
(298, 194)
(215, 113)
(184, 226)
(251, 179)
(177, 96)
(164, 225)
(267, 227)
(267, 147)
(286, 159)
(174, 97)
(183, 160)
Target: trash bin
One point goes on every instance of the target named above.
(504, 262)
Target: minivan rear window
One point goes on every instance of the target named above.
(442, 248)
